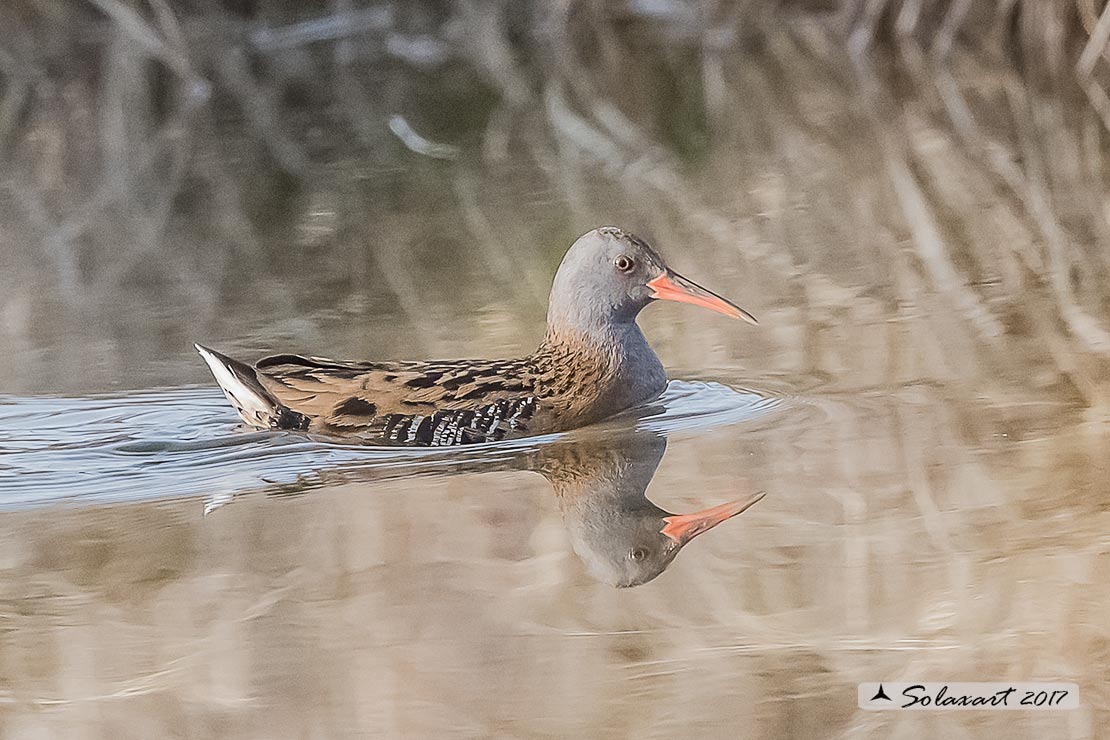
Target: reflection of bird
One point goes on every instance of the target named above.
(593, 362)
(599, 476)
(624, 538)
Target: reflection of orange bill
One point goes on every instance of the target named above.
(684, 527)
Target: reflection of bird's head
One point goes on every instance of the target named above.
(630, 553)
(624, 539)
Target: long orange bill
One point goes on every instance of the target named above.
(670, 286)
(684, 527)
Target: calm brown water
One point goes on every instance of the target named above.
(924, 402)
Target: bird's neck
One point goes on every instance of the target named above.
(609, 367)
(591, 335)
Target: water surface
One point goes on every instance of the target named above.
(188, 442)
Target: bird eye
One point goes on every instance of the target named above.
(637, 553)
(624, 263)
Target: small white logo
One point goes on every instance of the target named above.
(939, 696)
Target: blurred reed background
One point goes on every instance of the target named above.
(297, 171)
(910, 194)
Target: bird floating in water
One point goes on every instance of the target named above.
(593, 362)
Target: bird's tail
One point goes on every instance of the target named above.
(256, 405)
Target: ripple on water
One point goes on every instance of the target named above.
(186, 441)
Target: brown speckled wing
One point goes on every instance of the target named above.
(409, 403)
